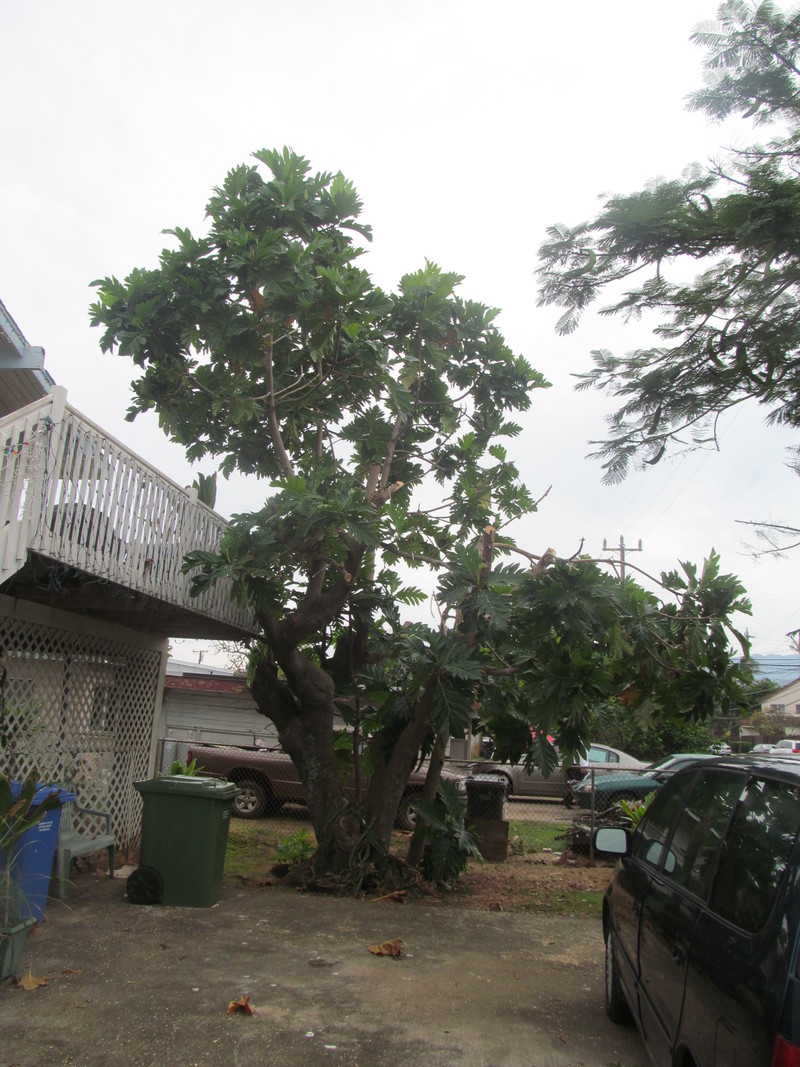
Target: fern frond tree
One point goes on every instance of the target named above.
(381, 421)
(713, 258)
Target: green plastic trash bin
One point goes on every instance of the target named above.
(185, 822)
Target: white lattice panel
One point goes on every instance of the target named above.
(79, 709)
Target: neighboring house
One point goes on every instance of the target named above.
(212, 705)
(780, 710)
(785, 700)
(215, 706)
(92, 539)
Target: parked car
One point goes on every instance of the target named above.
(720, 748)
(787, 747)
(611, 787)
(701, 919)
(761, 748)
(524, 783)
(268, 779)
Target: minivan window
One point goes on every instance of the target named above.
(648, 842)
(755, 853)
(693, 847)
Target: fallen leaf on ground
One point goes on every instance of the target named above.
(30, 982)
(387, 948)
(242, 1005)
(71, 970)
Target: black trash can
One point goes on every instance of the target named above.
(486, 797)
(185, 822)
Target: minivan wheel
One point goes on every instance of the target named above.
(616, 1005)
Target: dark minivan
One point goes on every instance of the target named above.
(702, 916)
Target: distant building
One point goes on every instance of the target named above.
(785, 700)
(210, 705)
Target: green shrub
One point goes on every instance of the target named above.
(296, 848)
(652, 740)
(635, 810)
(189, 769)
(448, 842)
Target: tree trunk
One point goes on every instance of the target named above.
(432, 778)
(302, 707)
(303, 711)
(389, 779)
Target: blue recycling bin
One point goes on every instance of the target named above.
(34, 854)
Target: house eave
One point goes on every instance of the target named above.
(52, 584)
(24, 377)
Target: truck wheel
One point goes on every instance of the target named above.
(252, 801)
(406, 816)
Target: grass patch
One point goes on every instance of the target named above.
(535, 836)
(252, 845)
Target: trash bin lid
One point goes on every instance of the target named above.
(487, 781)
(189, 785)
(43, 792)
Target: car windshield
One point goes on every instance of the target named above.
(667, 761)
(670, 763)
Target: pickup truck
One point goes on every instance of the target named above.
(267, 779)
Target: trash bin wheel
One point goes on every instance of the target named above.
(145, 886)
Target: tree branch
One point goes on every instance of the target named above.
(272, 413)
(387, 463)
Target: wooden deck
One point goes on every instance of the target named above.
(86, 525)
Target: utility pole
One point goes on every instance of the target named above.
(622, 551)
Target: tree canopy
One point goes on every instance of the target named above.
(730, 333)
(381, 422)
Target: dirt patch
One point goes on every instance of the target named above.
(538, 882)
(535, 881)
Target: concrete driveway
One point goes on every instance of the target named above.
(136, 986)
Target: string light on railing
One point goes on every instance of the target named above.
(44, 427)
(15, 450)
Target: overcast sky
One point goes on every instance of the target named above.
(467, 127)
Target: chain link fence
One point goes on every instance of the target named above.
(560, 814)
(555, 815)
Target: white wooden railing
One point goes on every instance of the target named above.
(76, 495)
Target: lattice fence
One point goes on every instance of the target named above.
(80, 710)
